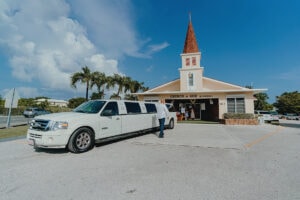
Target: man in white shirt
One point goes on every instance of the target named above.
(162, 112)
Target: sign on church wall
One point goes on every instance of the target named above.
(191, 96)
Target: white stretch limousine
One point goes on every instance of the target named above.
(93, 121)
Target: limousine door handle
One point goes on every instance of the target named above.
(118, 118)
(104, 128)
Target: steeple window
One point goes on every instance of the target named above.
(187, 61)
(194, 61)
(191, 79)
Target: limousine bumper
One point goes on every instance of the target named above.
(47, 139)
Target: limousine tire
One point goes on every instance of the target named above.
(81, 140)
(171, 124)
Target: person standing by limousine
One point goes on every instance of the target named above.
(162, 112)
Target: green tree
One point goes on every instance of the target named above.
(115, 96)
(120, 82)
(129, 97)
(27, 102)
(74, 102)
(84, 77)
(44, 105)
(288, 102)
(115, 81)
(127, 84)
(124, 84)
(109, 82)
(1, 102)
(134, 87)
(137, 86)
(41, 97)
(97, 95)
(261, 102)
(99, 80)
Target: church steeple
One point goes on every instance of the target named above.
(191, 72)
(190, 45)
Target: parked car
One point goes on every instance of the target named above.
(34, 111)
(267, 116)
(93, 121)
(291, 116)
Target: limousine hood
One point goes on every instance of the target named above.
(63, 116)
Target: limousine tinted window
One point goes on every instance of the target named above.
(151, 108)
(132, 107)
(111, 109)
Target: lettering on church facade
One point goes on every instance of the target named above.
(191, 96)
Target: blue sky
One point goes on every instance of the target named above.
(242, 42)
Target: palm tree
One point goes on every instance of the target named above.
(120, 81)
(84, 77)
(110, 83)
(99, 79)
(114, 80)
(127, 81)
(134, 86)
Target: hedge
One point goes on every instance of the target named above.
(239, 116)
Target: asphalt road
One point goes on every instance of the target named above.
(14, 120)
(191, 162)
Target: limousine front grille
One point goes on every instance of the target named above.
(40, 125)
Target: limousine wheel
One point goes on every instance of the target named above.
(171, 124)
(82, 140)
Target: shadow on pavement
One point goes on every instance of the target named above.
(52, 151)
(290, 125)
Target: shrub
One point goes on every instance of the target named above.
(239, 116)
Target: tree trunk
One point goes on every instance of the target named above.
(87, 92)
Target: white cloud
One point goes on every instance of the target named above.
(27, 92)
(110, 25)
(46, 45)
(157, 47)
(47, 40)
(100, 63)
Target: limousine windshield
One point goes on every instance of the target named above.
(90, 107)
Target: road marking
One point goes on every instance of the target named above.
(264, 137)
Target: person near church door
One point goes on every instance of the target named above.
(192, 114)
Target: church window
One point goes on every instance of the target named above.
(236, 105)
(187, 61)
(191, 79)
(194, 61)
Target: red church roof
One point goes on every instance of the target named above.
(190, 45)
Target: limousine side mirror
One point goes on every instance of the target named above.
(107, 113)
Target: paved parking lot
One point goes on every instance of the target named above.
(191, 162)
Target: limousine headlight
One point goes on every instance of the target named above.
(59, 125)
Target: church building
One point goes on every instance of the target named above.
(198, 96)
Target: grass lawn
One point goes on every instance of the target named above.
(13, 132)
(196, 122)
